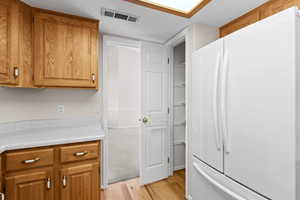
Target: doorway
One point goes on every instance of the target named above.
(178, 114)
(137, 110)
(122, 107)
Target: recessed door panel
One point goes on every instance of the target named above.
(155, 100)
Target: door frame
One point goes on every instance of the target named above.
(178, 39)
(118, 40)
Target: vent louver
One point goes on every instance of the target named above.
(118, 15)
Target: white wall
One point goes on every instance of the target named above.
(29, 104)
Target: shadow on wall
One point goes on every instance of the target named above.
(123, 144)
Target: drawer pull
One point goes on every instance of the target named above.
(31, 161)
(48, 183)
(2, 196)
(80, 154)
(64, 181)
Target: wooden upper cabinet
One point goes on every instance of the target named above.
(35, 185)
(237, 24)
(270, 8)
(80, 182)
(65, 51)
(9, 41)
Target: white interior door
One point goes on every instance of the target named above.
(259, 106)
(206, 134)
(155, 136)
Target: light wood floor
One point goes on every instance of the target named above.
(172, 188)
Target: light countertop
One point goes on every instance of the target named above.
(38, 133)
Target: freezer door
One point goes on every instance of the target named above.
(205, 131)
(259, 106)
(208, 184)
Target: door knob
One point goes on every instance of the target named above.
(145, 120)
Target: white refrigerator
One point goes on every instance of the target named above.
(245, 113)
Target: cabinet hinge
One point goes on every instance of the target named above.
(168, 159)
(168, 110)
(168, 60)
(16, 72)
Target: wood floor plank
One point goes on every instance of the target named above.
(136, 191)
(172, 188)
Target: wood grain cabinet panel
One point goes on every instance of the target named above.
(80, 182)
(66, 52)
(45, 176)
(268, 9)
(41, 48)
(240, 23)
(79, 152)
(35, 185)
(9, 41)
(27, 159)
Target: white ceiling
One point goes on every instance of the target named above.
(153, 25)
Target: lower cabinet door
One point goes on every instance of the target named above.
(33, 185)
(80, 182)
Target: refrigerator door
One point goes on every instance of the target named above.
(258, 106)
(206, 134)
(208, 184)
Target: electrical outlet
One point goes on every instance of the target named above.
(60, 108)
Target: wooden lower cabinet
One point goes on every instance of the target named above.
(34, 185)
(39, 174)
(80, 182)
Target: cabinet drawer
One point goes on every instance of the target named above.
(79, 152)
(29, 159)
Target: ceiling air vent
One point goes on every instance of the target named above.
(118, 15)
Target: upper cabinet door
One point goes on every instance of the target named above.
(206, 133)
(66, 51)
(9, 45)
(259, 106)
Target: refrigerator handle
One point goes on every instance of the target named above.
(224, 102)
(215, 103)
(216, 184)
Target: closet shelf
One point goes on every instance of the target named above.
(180, 123)
(179, 142)
(179, 104)
(180, 65)
(179, 85)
